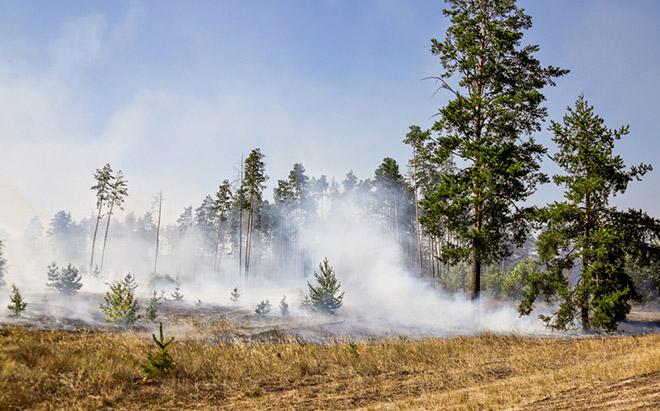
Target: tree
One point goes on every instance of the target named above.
(130, 283)
(221, 206)
(176, 295)
(120, 305)
(263, 308)
(325, 296)
(103, 177)
(151, 312)
(390, 181)
(284, 307)
(116, 197)
(3, 264)
(496, 86)
(205, 221)
(160, 361)
(254, 180)
(159, 201)
(67, 237)
(235, 295)
(65, 280)
(584, 229)
(16, 303)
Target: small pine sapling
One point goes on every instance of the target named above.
(151, 312)
(176, 295)
(130, 283)
(284, 307)
(16, 305)
(120, 306)
(325, 297)
(65, 280)
(235, 295)
(160, 361)
(96, 272)
(263, 308)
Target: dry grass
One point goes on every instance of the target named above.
(91, 370)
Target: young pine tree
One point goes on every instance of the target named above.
(16, 303)
(586, 230)
(325, 296)
(151, 312)
(65, 280)
(284, 307)
(496, 85)
(176, 295)
(263, 308)
(120, 305)
(161, 361)
(235, 295)
(130, 282)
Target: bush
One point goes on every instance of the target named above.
(284, 307)
(235, 295)
(151, 312)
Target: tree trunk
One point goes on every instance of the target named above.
(476, 255)
(160, 209)
(105, 237)
(248, 239)
(96, 229)
(584, 307)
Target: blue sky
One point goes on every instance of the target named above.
(174, 92)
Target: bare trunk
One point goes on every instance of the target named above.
(248, 239)
(160, 210)
(584, 307)
(96, 229)
(476, 257)
(105, 237)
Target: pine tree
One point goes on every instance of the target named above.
(116, 197)
(254, 181)
(16, 305)
(130, 283)
(263, 308)
(235, 295)
(103, 177)
(120, 305)
(3, 264)
(65, 280)
(390, 182)
(584, 229)
(151, 312)
(496, 84)
(221, 207)
(160, 361)
(176, 295)
(284, 307)
(325, 296)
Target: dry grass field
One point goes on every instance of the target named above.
(101, 370)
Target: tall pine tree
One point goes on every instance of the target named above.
(585, 231)
(496, 86)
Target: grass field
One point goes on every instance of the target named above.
(92, 370)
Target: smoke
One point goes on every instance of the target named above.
(382, 294)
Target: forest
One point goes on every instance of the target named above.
(445, 261)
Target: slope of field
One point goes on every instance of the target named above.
(94, 370)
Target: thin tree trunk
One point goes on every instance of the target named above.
(248, 239)
(584, 306)
(96, 229)
(105, 237)
(476, 258)
(160, 209)
(217, 244)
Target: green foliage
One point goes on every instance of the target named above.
(151, 312)
(254, 178)
(263, 308)
(510, 283)
(65, 280)
(16, 304)
(120, 306)
(160, 361)
(235, 295)
(130, 283)
(646, 279)
(325, 296)
(176, 295)
(496, 86)
(584, 231)
(284, 307)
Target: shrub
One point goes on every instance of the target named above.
(284, 307)
(151, 312)
(235, 295)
